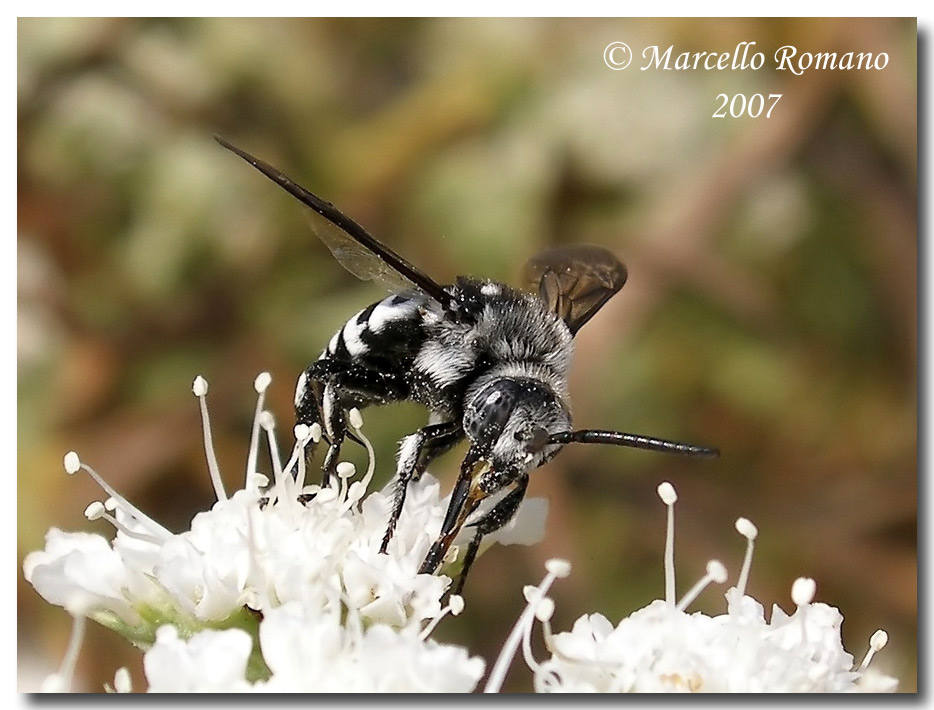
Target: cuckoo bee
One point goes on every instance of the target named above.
(489, 362)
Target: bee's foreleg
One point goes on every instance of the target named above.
(500, 514)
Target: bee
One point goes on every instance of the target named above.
(489, 362)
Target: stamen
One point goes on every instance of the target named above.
(803, 590)
(200, 388)
(97, 511)
(268, 422)
(877, 642)
(73, 464)
(283, 483)
(260, 384)
(356, 421)
(547, 635)
(302, 433)
(523, 626)
(61, 682)
(716, 572)
(745, 528)
(454, 607)
(254, 556)
(544, 610)
(344, 471)
(669, 497)
(358, 488)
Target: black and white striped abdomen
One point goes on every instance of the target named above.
(387, 328)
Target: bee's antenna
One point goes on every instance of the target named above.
(636, 441)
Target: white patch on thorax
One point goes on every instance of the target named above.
(444, 365)
(491, 289)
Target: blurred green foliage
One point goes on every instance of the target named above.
(771, 308)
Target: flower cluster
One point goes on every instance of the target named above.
(279, 586)
(662, 648)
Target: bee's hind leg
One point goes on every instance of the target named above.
(328, 388)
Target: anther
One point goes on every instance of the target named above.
(356, 419)
(716, 572)
(746, 528)
(267, 420)
(72, 463)
(545, 609)
(877, 642)
(558, 567)
(261, 382)
(667, 493)
(803, 591)
(94, 510)
(199, 386)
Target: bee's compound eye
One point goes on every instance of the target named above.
(489, 410)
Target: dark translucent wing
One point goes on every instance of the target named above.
(358, 259)
(575, 281)
(351, 244)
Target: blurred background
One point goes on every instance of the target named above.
(771, 306)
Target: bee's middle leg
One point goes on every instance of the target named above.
(415, 453)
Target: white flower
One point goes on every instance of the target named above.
(662, 648)
(335, 656)
(209, 662)
(280, 565)
(82, 573)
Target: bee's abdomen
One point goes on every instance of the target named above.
(388, 329)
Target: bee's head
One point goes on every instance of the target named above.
(510, 419)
